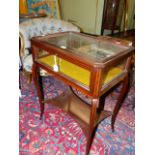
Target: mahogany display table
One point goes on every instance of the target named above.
(91, 65)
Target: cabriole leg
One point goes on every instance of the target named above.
(37, 79)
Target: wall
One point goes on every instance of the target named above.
(85, 13)
(88, 14)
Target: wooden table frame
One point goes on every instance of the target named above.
(97, 96)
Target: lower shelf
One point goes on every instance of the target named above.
(77, 109)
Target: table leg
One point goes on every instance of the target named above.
(101, 103)
(37, 79)
(121, 96)
(91, 131)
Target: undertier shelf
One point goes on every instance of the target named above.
(78, 109)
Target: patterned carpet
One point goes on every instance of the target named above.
(59, 134)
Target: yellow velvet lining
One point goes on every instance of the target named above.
(78, 73)
(111, 74)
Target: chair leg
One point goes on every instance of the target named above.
(20, 87)
(119, 101)
(28, 76)
(20, 80)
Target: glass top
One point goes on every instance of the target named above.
(87, 47)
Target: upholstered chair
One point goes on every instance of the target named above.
(38, 27)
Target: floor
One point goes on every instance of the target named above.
(59, 134)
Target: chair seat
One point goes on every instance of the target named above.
(27, 63)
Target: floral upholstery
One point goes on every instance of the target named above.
(38, 27)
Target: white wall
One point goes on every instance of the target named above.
(87, 14)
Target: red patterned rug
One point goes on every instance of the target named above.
(59, 134)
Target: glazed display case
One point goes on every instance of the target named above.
(90, 65)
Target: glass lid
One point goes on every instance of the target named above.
(86, 47)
